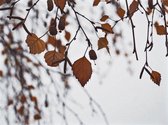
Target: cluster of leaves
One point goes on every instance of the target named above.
(21, 66)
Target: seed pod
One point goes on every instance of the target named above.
(50, 5)
(92, 55)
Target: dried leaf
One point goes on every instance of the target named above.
(50, 5)
(37, 117)
(133, 7)
(165, 2)
(92, 55)
(2, 2)
(102, 43)
(53, 58)
(35, 44)
(62, 23)
(160, 29)
(82, 70)
(96, 2)
(60, 4)
(104, 18)
(21, 110)
(120, 12)
(156, 77)
(150, 4)
(52, 40)
(52, 28)
(107, 28)
(67, 35)
(1, 73)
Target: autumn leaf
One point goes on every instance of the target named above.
(60, 4)
(150, 4)
(96, 2)
(156, 77)
(52, 40)
(82, 70)
(52, 27)
(2, 2)
(92, 55)
(50, 5)
(120, 12)
(104, 18)
(37, 117)
(165, 2)
(102, 43)
(160, 29)
(67, 35)
(133, 7)
(62, 22)
(53, 58)
(107, 28)
(1, 73)
(35, 44)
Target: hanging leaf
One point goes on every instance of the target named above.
(165, 2)
(53, 58)
(82, 70)
(133, 7)
(62, 23)
(160, 29)
(92, 55)
(96, 2)
(120, 12)
(2, 2)
(50, 5)
(37, 117)
(104, 18)
(150, 4)
(21, 110)
(1, 73)
(35, 44)
(52, 40)
(60, 4)
(102, 43)
(156, 77)
(52, 28)
(67, 35)
(107, 28)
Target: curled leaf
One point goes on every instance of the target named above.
(53, 58)
(35, 44)
(156, 77)
(82, 70)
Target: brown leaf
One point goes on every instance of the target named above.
(21, 110)
(50, 5)
(2, 2)
(82, 70)
(60, 4)
(62, 23)
(120, 12)
(150, 4)
(160, 29)
(37, 117)
(102, 43)
(67, 35)
(52, 28)
(156, 77)
(165, 2)
(96, 2)
(104, 18)
(92, 55)
(52, 40)
(107, 28)
(53, 58)
(1, 73)
(133, 7)
(35, 44)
